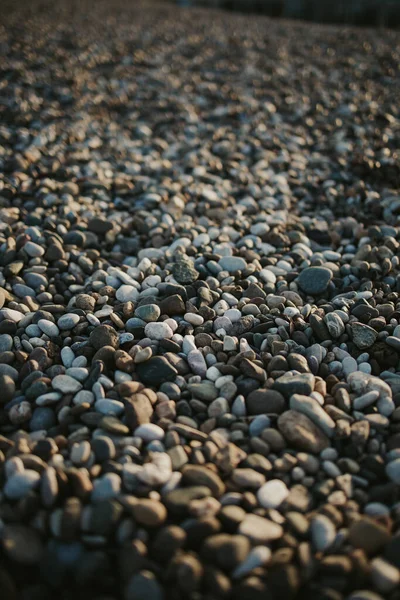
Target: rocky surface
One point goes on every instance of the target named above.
(199, 306)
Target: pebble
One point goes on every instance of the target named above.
(232, 264)
(323, 533)
(311, 408)
(66, 384)
(149, 513)
(393, 471)
(68, 321)
(149, 432)
(384, 576)
(301, 432)
(48, 327)
(314, 280)
(260, 530)
(20, 484)
(363, 336)
(272, 493)
(158, 331)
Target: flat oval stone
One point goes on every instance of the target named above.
(232, 264)
(68, 321)
(149, 432)
(66, 384)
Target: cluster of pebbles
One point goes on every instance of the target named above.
(199, 306)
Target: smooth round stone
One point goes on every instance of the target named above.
(194, 319)
(106, 487)
(149, 513)
(323, 532)
(49, 487)
(84, 397)
(272, 494)
(6, 342)
(8, 371)
(66, 384)
(144, 586)
(80, 452)
(11, 314)
(67, 356)
(33, 250)
(384, 576)
(158, 331)
(349, 365)
(48, 399)
(239, 407)
(35, 280)
(103, 448)
(260, 530)
(127, 293)
(232, 264)
(393, 471)
(314, 280)
(78, 373)
(148, 312)
(149, 432)
(43, 418)
(7, 388)
(268, 276)
(22, 544)
(106, 406)
(197, 363)
(22, 290)
(258, 425)
(68, 321)
(48, 327)
(18, 485)
(376, 509)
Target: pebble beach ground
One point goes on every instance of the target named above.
(199, 306)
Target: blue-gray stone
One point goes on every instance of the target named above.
(314, 280)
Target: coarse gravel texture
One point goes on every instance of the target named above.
(199, 306)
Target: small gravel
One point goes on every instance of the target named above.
(199, 305)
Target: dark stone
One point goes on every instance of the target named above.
(167, 542)
(7, 388)
(99, 226)
(289, 384)
(314, 280)
(177, 501)
(172, 305)
(103, 335)
(144, 586)
(369, 535)
(226, 551)
(184, 271)
(156, 370)
(392, 551)
(265, 401)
